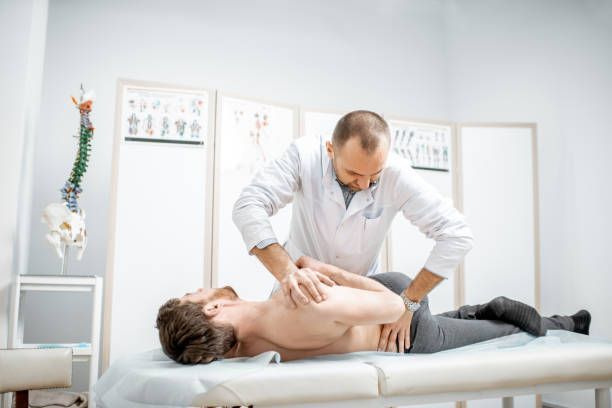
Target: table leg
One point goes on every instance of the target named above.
(602, 398)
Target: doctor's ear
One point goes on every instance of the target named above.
(211, 309)
(330, 149)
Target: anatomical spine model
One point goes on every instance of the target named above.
(66, 220)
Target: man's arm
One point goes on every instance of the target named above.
(354, 307)
(339, 275)
(420, 286)
(361, 301)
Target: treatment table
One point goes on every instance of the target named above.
(514, 365)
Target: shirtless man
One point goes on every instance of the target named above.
(211, 324)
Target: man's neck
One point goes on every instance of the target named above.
(246, 318)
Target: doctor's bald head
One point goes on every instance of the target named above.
(369, 128)
(359, 149)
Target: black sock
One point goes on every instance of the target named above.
(514, 312)
(582, 321)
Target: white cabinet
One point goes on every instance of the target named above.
(85, 351)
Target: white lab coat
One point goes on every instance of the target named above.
(323, 228)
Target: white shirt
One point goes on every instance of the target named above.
(350, 238)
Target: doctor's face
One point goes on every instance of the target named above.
(354, 166)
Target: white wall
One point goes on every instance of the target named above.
(549, 62)
(389, 57)
(22, 40)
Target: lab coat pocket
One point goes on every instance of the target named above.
(373, 213)
(373, 231)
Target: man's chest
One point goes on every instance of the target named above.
(357, 338)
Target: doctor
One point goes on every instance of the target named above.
(345, 194)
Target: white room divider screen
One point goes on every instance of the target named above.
(159, 223)
(499, 198)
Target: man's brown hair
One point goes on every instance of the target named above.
(188, 336)
(368, 126)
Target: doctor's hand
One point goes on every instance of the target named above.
(392, 332)
(300, 286)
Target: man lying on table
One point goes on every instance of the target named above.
(211, 324)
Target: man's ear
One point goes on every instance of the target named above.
(330, 149)
(211, 309)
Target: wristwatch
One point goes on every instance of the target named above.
(410, 304)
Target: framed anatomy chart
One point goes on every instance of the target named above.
(250, 133)
(164, 116)
(160, 208)
(426, 145)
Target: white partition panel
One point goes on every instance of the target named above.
(498, 182)
(409, 248)
(499, 178)
(160, 208)
(318, 124)
(249, 133)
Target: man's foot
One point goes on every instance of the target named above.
(582, 321)
(514, 312)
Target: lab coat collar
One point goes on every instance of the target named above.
(331, 187)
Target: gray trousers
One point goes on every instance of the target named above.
(431, 333)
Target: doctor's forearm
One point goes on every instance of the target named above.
(275, 259)
(422, 284)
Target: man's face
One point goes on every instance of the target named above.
(204, 296)
(354, 166)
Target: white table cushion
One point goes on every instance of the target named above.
(303, 381)
(514, 367)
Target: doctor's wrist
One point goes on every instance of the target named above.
(286, 271)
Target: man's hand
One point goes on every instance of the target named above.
(424, 282)
(392, 332)
(303, 285)
(311, 263)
